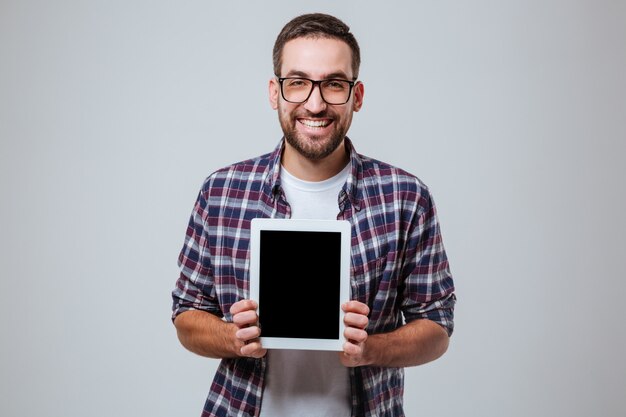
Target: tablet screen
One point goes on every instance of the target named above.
(299, 276)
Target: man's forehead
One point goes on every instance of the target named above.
(317, 57)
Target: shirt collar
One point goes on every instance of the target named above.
(356, 176)
(351, 187)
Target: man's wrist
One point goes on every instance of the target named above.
(231, 340)
(372, 350)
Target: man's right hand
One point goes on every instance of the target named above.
(246, 319)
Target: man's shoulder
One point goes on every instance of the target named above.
(249, 170)
(252, 165)
(395, 185)
(379, 172)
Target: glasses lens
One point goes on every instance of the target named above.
(296, 90)
(335, 91)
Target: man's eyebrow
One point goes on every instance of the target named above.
(295, 73)
(340, 74)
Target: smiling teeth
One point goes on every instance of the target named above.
(315, 123)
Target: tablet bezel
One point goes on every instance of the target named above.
(302, 225)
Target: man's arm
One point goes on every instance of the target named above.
(416, 343)
(427, 302)
(208, 335)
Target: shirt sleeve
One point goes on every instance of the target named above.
(428, 290)
(195, 287)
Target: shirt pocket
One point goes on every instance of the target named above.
(365, 279)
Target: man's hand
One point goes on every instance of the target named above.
(356, 321)
(246, 319)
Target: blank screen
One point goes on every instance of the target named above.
(299, 282)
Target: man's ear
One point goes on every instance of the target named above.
(274, 90)
(359, 90)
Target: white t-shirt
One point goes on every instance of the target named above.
(307, 383)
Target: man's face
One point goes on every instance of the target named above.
(314, 128)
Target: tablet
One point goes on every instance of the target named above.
(300, 275)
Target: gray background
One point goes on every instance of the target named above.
(113, 112)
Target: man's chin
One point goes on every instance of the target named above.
(313, 147)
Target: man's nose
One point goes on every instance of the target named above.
(315, 103)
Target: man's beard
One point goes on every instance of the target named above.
(312, 148)
(308, 150)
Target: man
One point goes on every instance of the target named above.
(401, 312)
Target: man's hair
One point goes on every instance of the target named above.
(316, 25)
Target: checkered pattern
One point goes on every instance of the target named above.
(399, 267)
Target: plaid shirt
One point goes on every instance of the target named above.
(399, 267)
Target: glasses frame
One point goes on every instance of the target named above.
(313, 84)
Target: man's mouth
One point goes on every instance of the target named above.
(315, 123)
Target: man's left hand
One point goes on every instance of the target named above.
(356, 321)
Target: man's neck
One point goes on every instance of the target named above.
(311, 170)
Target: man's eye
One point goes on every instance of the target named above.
(335, 85)
(297, 83)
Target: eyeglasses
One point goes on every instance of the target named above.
(298, 90)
